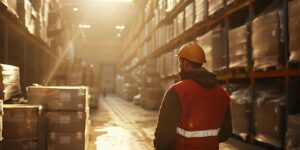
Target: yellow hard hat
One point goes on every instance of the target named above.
(193, 52)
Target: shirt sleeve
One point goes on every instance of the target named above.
(169, 115)
(226, 127)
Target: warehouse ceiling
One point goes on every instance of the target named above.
(97, 21)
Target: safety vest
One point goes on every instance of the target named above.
(202, 113)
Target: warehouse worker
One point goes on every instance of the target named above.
(195, 112)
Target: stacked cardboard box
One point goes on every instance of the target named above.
(213, 44)
(201, 10)
(294, 10)
(267, 51)
(67, 115)
(214, 6)
(238, 43)
(189, 15)
(10, 87)
(293, 132)
(180, 23)
(23, 127)
(240, 112)
(150, 88)
(268, 112)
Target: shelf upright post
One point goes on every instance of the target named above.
(284, 104)
(250, 66)
(226, 40)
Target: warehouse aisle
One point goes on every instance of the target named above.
(121, 125)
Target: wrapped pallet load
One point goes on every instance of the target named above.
(268, 114)
(180, 23)
(294, 27)
(213, 44)
(267, 48)
(240, 111)
(293, 132)
(201, 10)
(23, 127)
(10, 88)
(214, 6)
(67, 115)
(189, 15)
(238, 47)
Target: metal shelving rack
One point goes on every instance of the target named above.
(251, 76)
(20, 48)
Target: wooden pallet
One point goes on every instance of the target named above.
(269, 68)
(294, 65)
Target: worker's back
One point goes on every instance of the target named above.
(202, 109)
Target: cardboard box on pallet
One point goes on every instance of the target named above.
(151, 97)
(201, 10)
(294, 27)
(59, 97)
(23, 124)
(214, 6)
(240, 107)
(66, 121)
(293, 132)
(67, 141)
(267, 51)
(189, 15)
(213, 44)
(268, 115)
(10, 87)
(19, 145)
(238, 43)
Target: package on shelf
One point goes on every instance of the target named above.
(214, 6)
(19, 145)
(170, 5)
(189, 15)
(129, 91)
(267, 114)
(22, 121)
(11, 5)
(67, 121)
(175, 28)
(151, 97)
(180, 23)
(240, 108)
(174, 62)
(293, 132)
(59, 97)
(201, 10)
(267, 51)
(10, 86)
(229, 1)
(74, 141)
(213, 44)
(238, 43)
(294, 26)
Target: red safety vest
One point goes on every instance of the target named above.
(202, 114)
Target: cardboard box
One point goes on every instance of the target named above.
(294, 27)
(238, 47)
(59, 97)
(201, 10)
(67, 141)
(267, 51)
(10, 87)
(21, 121)
(293, 132)
(189, 15)
(66, 121)
(214, 6)
(19, 145)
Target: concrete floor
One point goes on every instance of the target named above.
(120, 125)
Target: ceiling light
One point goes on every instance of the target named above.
(84, 26)
(119, 34)
(75, 9)
(120, 27)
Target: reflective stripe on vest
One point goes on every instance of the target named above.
(201, 133)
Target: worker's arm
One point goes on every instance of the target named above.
(226, 127)
(165, 134)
